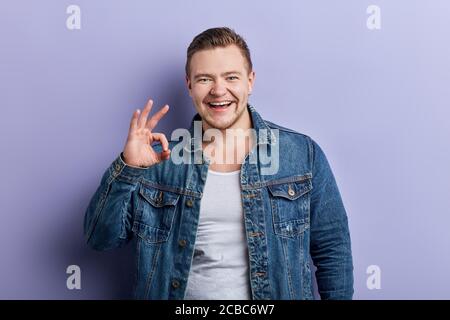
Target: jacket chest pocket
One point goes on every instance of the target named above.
(290, 204)
(156, 211)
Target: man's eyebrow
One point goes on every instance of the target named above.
(231, 72)
(212, 76)
(203, 75)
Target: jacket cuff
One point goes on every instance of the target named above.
(120, 167)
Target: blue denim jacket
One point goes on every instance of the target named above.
(290, 216)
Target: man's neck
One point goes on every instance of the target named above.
(229, 151)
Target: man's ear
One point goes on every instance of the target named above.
(189, 86)
(251, 81)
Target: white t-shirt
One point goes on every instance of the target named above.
(220, 268)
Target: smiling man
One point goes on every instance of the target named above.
(224, 229)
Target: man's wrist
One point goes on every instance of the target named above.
(122, 157)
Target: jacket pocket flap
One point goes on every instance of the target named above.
(158, 197)
(291, 190)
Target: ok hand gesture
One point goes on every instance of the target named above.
(138, 151)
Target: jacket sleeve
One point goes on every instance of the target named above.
(330, 237)
(109, 216)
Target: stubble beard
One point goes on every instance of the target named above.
(237, 114)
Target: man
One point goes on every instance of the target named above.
(211, 229)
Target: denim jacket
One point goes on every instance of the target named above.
(290, 216)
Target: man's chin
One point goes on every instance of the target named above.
(221, 124)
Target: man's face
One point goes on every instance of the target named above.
(219, 84)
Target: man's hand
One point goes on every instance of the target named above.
(138, 151)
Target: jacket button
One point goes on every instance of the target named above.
(182, 243)
(117, 167)
(291, 192)
(189, 203)
(175, 284)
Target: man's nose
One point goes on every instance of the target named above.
(218, 88)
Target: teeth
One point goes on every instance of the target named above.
(220, 103)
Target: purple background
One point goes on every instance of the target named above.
(375, 100)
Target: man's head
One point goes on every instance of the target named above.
(219, 71)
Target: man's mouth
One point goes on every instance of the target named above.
(220, 105)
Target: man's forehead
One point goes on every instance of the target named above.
(217, 62)
(230, 55)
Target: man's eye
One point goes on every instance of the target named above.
(233, 78)
(203, 80)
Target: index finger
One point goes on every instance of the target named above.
(153, 121)
(134, 120)
(143, 118)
